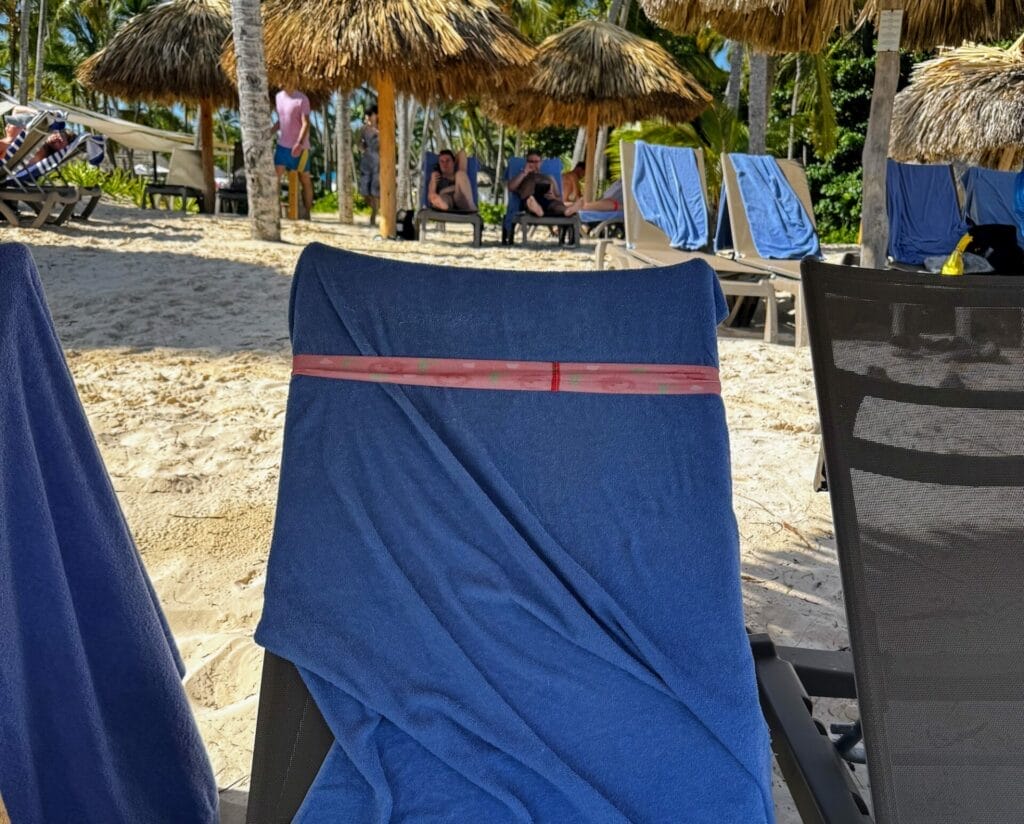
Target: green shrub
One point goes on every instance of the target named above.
(491, 213)
(117, 184)
(328, 202)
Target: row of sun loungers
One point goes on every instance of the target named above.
(25, 201)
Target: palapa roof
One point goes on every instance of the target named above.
(168, 53)
(598, 64)
(949, 22)
(775, 28)
(451, 49)
(965, 105)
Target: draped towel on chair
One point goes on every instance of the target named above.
(514, 606)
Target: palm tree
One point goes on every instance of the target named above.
(254, 110)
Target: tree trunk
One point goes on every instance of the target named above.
(26, 25)
(792, 111)
(254, 111)
(758, 102)
(40, 50)
(206, 150)
(588, 190)
(874, 218)
(343, 134)
(498, 170)
(325, 143)
(386, 123)
(403, 151)
(602, 145)
(732, 90)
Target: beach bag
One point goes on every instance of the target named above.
(406, 222)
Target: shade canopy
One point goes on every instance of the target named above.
(778, 28)
(449, 49)
(596, 66)
(169, 53)
(947, 22)
(965, 105)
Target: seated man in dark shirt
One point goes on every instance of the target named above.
(539, 192)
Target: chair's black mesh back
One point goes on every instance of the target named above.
(292, 740)
(924, 439)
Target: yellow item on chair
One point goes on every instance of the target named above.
(954, 264)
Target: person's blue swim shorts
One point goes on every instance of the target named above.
(283, 157)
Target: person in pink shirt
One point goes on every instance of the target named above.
(292, 153)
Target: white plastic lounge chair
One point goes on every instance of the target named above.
(786, 272)
(647, 245)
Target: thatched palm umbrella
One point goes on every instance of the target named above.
(596, 73)
(768, 27)
(966, 104)
(170, 53)
(449, 49)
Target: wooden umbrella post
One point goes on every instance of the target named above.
(386, 124)
(874, 215)
(591, 152)
(206, 153)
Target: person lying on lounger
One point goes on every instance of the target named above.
(450, 188)
(16, 120)
(610, 201)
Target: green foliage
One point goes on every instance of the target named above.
(328, 202)
(118, 184)
(836, 180)
(492, 213)
(551, 142)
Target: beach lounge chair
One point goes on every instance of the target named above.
(516, 215)
(96, 724)
(926, 476)
(54, 204)
(766, 218)
(681, 209)
(925, 215)
(27, 142)
(184, 180)
(512, 596)
(427, 213)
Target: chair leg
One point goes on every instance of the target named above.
(800, 336)
(771, 316)
(478, 230)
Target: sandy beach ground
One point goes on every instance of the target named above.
(175, 329)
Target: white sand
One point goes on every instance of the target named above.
(176, 331)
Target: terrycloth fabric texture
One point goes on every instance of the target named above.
(94, 723)
(551, 166)
(430, 163)
(514, 606)
(780, 227)
(925, 218)
(668, 191)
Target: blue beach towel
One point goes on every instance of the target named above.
(429, 164)
(780, 227)
(94, 723)
(989, 198)
(924, 212)
(514, 606)
(668, 191)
